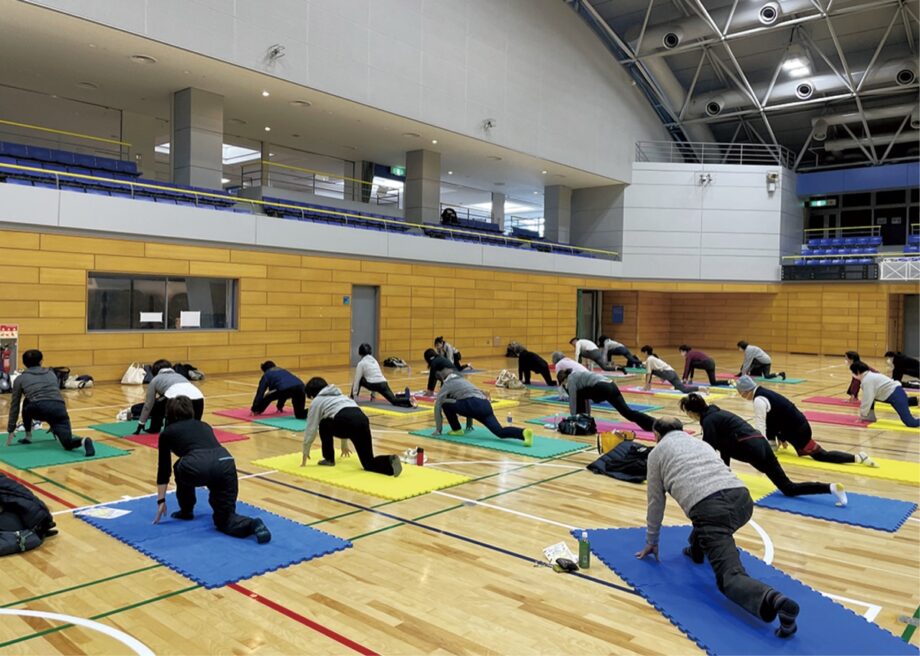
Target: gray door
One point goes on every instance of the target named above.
(912, 325)
(589, 314)
(364, 315)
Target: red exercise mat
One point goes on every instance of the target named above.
(834, 418)
(832, 400)
(153, 440)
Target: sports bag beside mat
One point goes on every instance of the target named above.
(134, 375)
(508, 380)
(577, 425)
(628, 461)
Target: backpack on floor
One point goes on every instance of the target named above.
(395, 362)
(508, 380)
(628, 461)
(6, 383)
(577, 425)
(62, 373)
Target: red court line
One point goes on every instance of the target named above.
(287, 612)
(37, 489)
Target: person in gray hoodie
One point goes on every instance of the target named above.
(39, 391)
(460, 398)
(168, 385)
(756, 362)
(582, 387)
(332, 414)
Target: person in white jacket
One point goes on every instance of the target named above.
(332, 414)
(585, 348)
(369, 376)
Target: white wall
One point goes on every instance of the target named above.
(729, 229)
(533, 65)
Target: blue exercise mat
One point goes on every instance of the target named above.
(861, 510)
(638, 407)
(686, 594)
(197, 550)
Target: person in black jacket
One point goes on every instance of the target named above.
(902, 365)
(529, 362)
(202, 462)
(435, 364)
(25, 520)
(732, 437)
(276, 386)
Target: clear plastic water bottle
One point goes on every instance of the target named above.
(510, 418)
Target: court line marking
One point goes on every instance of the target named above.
(767, 542)
(132, 643)
(74, 509)
(507, 510)
(36, 488)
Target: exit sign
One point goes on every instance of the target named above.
(823, 202)
(398, 170)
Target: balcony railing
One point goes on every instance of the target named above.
(318, 183)
(674, 152)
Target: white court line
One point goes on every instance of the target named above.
(507, 510)
(767, 542)
(145, 496)
(913, 519)
(132, 643)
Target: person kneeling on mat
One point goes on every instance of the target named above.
(368, 375)
(695, 359)
(612, 347)
(202, 462)
(655, 366)
(168, 385)
(459, 397)
(756, 362)
(879, 387)
(718, 504)
(39, 391)
(585, 349)
(276, 386)
(732, 437)
(583, 387)
(528, 363)
(333, 414)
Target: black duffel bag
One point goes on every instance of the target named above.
(577, 425)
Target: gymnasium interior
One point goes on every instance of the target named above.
(222, 189)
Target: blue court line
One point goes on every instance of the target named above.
(450, 534)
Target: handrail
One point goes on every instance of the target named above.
(299, 178)
(889, 254)
(64, 132)
(317, 210)
(313, 172)
(871, 227)
(704, 152)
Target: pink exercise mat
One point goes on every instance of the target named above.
(245, 414)
(832, 400)
(153, 440)
(834, 418)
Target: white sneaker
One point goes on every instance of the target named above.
(838, 491)
(863, 459)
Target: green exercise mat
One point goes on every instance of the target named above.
(285, 423)
(117, 428)
(543, 447)
(46, 451)
(788, 381)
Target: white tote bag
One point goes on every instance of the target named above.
(134, 375)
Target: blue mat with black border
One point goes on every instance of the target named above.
(555, 400)
(198, 551)
(687, 595)
(862, 510)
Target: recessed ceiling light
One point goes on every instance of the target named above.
(536, 193)
(450, 173)
(237, 121)
(411, 135)
(434, 141)
(268, 129)
(544, 172)
(87, 85)
(266, 94)
(91, 45)
(224, 180)
(495, 158)
(143, 59)
(187, 72)
(301, 103)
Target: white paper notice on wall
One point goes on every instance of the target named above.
(190, 320)
(151, 317)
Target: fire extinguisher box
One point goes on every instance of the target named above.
(9, 347)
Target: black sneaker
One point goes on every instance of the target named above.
(688, 552)
(260, 530)
(88, 447)
(326, 463)
(396, 464)
(787, 610)
(181, 515)
(24, 440)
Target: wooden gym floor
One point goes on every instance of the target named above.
(447, 572)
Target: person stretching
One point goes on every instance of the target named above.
(655, 366)
(446, 349)
(756, 362)
(435, 364)
(529, 362)
(611, 348)
(852, 357)
(733, 437)
(695, 359)
(333, 414)
(276, 386)
(879, 387)
(39, 391)
(582, 387)
(588, 350)
(202, 462)
(368, 375)
(168, 384)
(460, 398)
(718, 504)
(902, 365)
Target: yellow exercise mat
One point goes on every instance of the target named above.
(892, 470)
(892, 424)
(348, 473)
(758, 485)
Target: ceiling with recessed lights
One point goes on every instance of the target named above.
(833, 81)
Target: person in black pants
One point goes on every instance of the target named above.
(332, 414)
(732, 437)
(583, 387)
(369, 376)
(276, 386)
(902, 365)
(529, 362)
(202, 462)
(695, 359)
(435, 364)
(38, 390)
(460, 398)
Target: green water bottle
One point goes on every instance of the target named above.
(584, 551)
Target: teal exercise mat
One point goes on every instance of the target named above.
(606, 407)
(285, 423)
(543, 447)
(46, 451)
(117, 428)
